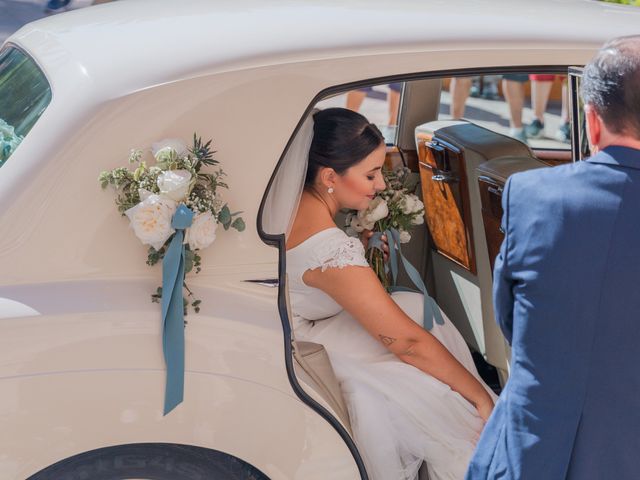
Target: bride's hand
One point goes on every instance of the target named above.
(485, 407)
(366, 235)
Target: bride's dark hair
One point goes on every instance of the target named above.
(341, 139)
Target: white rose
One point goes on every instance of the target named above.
(404, 236)
(365, 220)
(378, 209)
(164, 147)
(417, 204)
(417, 220)
(174, 184)
(151, 220)
(408, 204)
(202, 231)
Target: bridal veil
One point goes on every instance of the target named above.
(284, 194)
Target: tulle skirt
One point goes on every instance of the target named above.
(400, 416)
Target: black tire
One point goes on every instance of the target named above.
(151, 461)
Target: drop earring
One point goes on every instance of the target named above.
(330, 189)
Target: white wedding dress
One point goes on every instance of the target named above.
(400, 416)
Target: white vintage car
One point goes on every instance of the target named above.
(81, 367)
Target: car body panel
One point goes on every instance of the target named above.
(81, 368)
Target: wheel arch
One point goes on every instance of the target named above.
(147, 456)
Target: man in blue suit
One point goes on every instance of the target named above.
(567, 297)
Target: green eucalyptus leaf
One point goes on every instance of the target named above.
(239, 224)
(189, 258)
(225, 216)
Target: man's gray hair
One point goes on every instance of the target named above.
(611, 84)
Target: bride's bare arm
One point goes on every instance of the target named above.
(358, 291)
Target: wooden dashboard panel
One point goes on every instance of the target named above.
(446, 200)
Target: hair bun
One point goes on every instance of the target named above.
(341, 139)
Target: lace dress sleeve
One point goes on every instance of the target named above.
(339, 251)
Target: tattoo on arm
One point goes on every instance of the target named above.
(386, 340)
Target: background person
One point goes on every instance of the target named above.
(513, 91)
(356, 97)
(541, 86)
(459, 89)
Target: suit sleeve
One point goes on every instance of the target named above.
(502, 280)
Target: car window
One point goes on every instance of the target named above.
(379, 103)
(24, 95)
(530, 107)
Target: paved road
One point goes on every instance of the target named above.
(15, 13)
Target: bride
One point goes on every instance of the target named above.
(413, 395)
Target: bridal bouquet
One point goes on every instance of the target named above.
(395, 208)
(150, 196)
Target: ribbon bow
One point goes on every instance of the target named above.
(173, 310)
(431, 311)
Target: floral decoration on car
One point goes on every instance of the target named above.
(9, 140)
(395, 208)
(174, 208)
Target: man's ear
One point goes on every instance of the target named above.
(594, 127)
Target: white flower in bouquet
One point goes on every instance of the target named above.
(175, 184)
(162, 149)
(378, 209)
(151, 220)
(411, 204)
(364, 220)
(417, 220)
(202, 232)
(405, 236)
(417, 204)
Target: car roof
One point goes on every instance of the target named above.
(149, 43)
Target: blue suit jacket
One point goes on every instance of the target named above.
(567, 297)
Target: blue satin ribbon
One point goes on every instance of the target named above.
(173, 310)
(431, 311)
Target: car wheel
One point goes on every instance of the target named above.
(151, 461)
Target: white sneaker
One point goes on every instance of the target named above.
(518, 134)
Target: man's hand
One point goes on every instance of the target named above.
(366, 235)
